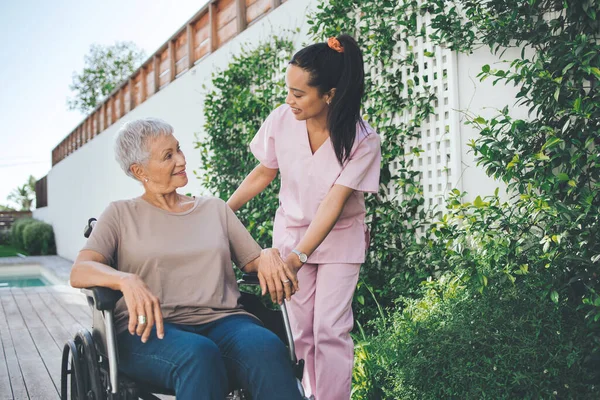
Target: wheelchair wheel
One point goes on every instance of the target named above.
(71, 379)
(82, 378)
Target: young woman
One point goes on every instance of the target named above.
(328, 157)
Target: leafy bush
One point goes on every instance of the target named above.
(4, 237)
(16, 231)
(38, 238)
(502, 344)
(539, 252)
(550, 161)
(521, 270)
(243, 97)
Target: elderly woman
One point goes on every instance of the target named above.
(179, 322)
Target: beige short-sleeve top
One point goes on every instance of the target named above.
(184, 258)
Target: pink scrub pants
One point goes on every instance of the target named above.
(321, 319)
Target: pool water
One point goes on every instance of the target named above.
(23, 281)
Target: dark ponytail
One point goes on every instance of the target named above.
(345, 72)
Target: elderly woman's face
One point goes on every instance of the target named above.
(165, 168)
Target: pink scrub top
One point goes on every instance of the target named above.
(282, 143)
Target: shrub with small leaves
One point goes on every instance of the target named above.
(38, 238)
(501, 344)
(16, 231)
(4, 237)
(244, 95)
(542, 247)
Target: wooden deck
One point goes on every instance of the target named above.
(35, 323)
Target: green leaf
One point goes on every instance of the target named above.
(568, 67)
(478, 202)
(541, 156)
(552, 142)
(595, 71)
(563, 177)
(554, 296)
(514, 162)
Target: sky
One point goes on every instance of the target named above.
(42, 43)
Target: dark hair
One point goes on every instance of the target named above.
(346, 73)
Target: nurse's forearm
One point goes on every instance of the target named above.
(327, 215)
(253, 184)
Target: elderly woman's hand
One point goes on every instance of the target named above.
(276, 277)
(143, 306)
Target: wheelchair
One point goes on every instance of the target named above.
(90, 371)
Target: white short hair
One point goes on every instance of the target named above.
(131, 145)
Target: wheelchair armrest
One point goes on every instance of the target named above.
(249, 279)
(102, 298)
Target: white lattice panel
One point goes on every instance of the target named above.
(439, 141)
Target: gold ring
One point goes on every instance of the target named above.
(141, 319)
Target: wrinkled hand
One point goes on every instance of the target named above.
(276, 277)
(140, 301)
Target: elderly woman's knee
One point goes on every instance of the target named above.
(200, 371)
(204, 347)
(271, 347)
(201, 355)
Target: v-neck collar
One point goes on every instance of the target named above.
(306, 136)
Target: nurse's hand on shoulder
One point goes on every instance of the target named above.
(276, 277)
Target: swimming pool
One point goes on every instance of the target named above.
(28, 275)
(24, 281)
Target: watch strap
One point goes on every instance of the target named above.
(303, 257)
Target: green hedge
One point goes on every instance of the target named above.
(16, 231)
(4, 237)
(456, 343)
(502, 344)
(38, 239)
(33, 236)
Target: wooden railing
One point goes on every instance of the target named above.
(41, 192)
(215, 24)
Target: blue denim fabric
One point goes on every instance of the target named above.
(207, 361)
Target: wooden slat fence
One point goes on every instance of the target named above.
(214, 25)
(7, 218)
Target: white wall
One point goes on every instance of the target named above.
(83, 184)
(484, 99)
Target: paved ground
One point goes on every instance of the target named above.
(35, 323)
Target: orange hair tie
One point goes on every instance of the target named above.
(335, 44)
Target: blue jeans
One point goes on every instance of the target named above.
(206, 361)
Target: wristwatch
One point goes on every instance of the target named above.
(303, 257)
